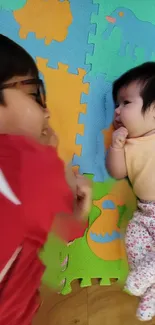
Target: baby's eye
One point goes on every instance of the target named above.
(126, 102)
(116, 105)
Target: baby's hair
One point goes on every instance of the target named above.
(14, 61)
(144, 74)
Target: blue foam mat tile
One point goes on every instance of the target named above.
(76, 161)
(92, 29)
(99, 116)
(82, 118)
(101, 173)
(71, 51)
(84, 97)
(78, 139)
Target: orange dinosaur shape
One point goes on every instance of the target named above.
(104, 237)
(63, 100)
(47, 19)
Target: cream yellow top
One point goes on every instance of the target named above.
(140, 162)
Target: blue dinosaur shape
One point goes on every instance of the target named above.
(134, 32)
(108, 204)
(106, 238)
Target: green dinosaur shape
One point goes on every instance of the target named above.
(82, 262)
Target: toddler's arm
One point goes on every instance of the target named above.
(37, 176)
(52, 202)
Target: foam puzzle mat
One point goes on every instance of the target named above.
(103, 253)
(80, 48)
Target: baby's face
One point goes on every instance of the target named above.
(128, 112)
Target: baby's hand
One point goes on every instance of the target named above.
(83, 200)
(119, 138)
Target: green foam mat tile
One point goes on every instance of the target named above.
(81, 262)
(122, 41)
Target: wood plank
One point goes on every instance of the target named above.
(95, 305)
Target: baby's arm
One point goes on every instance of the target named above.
(115, 160)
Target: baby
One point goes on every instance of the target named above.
(132, 154)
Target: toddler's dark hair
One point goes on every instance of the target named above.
(14, 61)
(144, 74)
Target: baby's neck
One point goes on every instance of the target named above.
(148, 133)
(143, 135)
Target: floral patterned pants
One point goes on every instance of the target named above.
(140, 245)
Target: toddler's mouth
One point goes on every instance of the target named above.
(44, 132)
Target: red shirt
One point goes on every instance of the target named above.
(33, 190)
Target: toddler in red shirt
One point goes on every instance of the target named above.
(34, 195)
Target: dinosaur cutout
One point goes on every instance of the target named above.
(43, 18)
(105, 229)
(132, 37)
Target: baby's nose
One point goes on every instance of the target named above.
(117, 111)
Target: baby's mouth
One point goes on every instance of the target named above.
(118, 123)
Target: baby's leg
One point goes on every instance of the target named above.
(141, 259)
(138, 241)
(143, 276)
(146, 309)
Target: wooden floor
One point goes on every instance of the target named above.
(89, 306)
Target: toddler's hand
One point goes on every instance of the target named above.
(83, 200)
(119, 138)
(82, 191)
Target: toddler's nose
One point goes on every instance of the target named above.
(47, 113)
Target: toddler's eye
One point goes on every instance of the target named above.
(126, 102)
